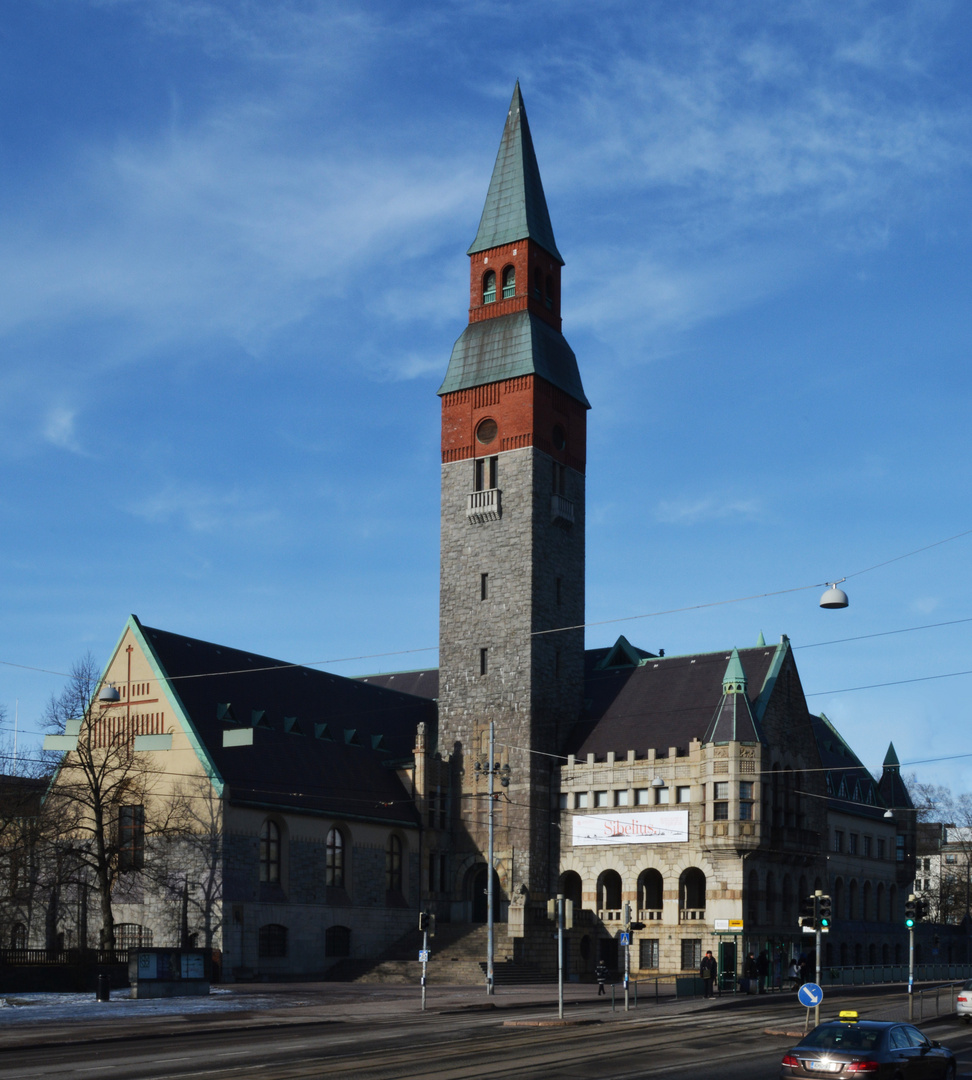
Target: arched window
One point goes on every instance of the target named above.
(489, 286)
(853, 912)
(879, 913)
(337, 941)
(885, 954)
(893, 904)
(650, 892)
(18, 936)
(838, 898)
(570, 886)
(272, 940)
(752, 898)
(691, 894)
(393, 864)
(509, 283)
(769, 897)
(270, 852)
(609, 891)
(866, 901)
(334, 866)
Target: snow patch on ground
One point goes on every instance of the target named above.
(33, 1008)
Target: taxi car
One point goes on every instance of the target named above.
(875, 1049)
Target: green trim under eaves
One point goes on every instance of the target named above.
(771, 676)
(177, 706)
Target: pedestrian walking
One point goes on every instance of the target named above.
(601, 974)
(762, 970)
(793, 974)
(708, 970)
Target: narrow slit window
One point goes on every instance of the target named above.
(489, 287)
(483, 661)
(509, 283)
(484, 586)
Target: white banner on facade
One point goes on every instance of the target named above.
(660, 827)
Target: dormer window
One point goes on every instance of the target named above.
(489, 287)
(509, 283)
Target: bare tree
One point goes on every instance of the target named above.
(102, 793)
(187, 863)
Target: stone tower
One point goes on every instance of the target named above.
(512, 546)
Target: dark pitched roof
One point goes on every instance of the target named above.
(666, 701)
(321, 743)
(892, 787)
(520, 343)
(424, 683)
(516, 208)
(851, 787)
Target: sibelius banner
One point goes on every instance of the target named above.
(657, 827)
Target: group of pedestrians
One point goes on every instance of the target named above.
(755, 972)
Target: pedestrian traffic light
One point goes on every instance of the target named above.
(423, 920)
(552, 909)
(910, 911)
(824, 908)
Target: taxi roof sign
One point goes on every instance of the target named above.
(848, 1016)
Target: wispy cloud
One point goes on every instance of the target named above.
(58, 428)
(204, 511)
(688, 511)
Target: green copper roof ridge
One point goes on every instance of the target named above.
(771, 676)
(515, 207)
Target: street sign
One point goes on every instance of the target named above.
(811, 930)
(624, 938)
(735, 924)
(810, 995)
(423, 956)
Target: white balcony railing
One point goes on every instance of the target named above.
(691, 915)
(483, 505)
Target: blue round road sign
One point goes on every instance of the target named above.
(810, 994)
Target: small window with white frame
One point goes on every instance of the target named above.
(601, 798)
(642, 796)
(621, 797)
(580, 800)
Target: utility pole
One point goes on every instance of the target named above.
(560, 955)
(627, 951)
(817, 932)
(489, 868)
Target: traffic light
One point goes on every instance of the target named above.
(921, 910)
(808, 913)
(424, 920)
(552, 909)
(824, 909)
(568, 914)
(910, 911)
(637, 926)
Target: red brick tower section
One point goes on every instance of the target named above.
(527, 410)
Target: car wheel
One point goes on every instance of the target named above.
(950, 1071)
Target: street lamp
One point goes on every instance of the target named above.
(834, 597)
(492, 769)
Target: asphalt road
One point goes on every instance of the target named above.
(377, 1042)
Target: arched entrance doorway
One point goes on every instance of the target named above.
(477, 894)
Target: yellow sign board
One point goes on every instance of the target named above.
(735, 924)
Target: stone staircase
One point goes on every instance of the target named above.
(458, 953)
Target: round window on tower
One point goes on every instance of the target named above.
(486, 432)
(559, 437)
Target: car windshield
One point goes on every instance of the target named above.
(842, 1037)
(968, 985)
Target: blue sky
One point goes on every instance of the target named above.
(232, 268)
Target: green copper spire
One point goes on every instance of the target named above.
(734, 680)
(515, 205)
(891, 758)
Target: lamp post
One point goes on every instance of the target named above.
(492, 769)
